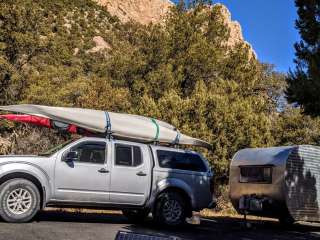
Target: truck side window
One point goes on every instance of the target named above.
(127, 155)
(137, 156)
(93, 152)
(180, 160)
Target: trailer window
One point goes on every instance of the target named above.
(255, 174)
(180, 160)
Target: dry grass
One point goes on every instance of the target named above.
(84, 210)
(214, 214)
(24, 139)
(4, 145)
(206, 213)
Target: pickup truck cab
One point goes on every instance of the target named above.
(105, 173)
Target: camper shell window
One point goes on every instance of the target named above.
(181, 160)
(256, 174)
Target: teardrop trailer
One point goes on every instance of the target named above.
(277, 182)
(132, 166)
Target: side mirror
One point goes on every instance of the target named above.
(71, 156)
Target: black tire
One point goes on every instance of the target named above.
(286, 220)
(136, 216)
(19, 200)
(166, 215)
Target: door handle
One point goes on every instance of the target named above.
(141, 174)
(103, 170)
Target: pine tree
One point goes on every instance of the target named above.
(304, 81)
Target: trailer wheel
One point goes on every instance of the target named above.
(136, 216)
(19, 200)
(170, 209)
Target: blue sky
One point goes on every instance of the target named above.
(268, 25)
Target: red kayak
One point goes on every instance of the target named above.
(44, 122)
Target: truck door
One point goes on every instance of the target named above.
(86, 177)
(130, 174)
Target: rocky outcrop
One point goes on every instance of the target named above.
(100, 43)
(234, 26)
(142, 11)
(235, 29)
(147, 11)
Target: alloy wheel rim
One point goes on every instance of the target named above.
(19, 201)
(172, 211)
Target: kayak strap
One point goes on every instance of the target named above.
(177, 139)
(108, 125)
(156, 138)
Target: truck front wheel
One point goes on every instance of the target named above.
(19, 200)
(170, 209)
(136, 215)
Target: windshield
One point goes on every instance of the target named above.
(56, 148)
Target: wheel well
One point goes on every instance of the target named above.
(183, 193)
(26, 176)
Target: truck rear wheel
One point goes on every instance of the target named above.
(136, 215)
(170, 209)
(19, 200)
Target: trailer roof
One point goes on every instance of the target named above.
(262, 156)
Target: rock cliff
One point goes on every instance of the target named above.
(147, 11)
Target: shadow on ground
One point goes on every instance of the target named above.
(213, 228)
(66, 216)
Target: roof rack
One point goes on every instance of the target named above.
(156, 143)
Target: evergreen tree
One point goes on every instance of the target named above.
(304, 81)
